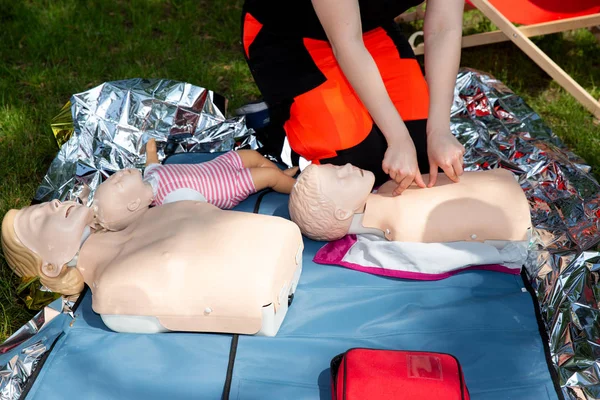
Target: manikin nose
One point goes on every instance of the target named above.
(55, 204)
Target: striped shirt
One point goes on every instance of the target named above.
(223, 181)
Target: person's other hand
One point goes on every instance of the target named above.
(446, 152)
(400, 163)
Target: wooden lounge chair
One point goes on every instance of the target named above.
(538, 17)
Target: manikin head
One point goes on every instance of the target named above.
(121, 199)
(325, 198)
(40, 240)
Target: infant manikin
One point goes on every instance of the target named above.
(223, 182)
(327, 202)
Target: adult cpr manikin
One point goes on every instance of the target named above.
(328, 202)
(183, 266)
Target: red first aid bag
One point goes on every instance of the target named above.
(369, 374)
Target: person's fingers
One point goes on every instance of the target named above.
(403, 185)
(450, 173)
(433, 173)
(385, 168)
(392, 174)
(406, 182)
(400, 176)
(458, 167)
(419, 180)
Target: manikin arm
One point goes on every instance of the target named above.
(266, 174)
(151, 152)
(176, 195)
(270, 178)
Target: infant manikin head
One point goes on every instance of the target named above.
(325, 198)
(39, 240)
(120, 199)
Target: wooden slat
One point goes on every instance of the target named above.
(545, 28)
(538, 56)
(520, 37)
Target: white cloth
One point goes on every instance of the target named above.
(434, 258)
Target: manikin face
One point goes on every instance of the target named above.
(126, 183)
(53, 231)
(347, 186)
(120, 195)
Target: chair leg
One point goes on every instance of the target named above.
(596, 31)
(538, 56)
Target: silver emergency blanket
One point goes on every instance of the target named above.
(499, 130)
(23, 362)
(110, 124)
(112, 121)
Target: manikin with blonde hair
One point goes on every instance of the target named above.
(179, 251)
(327, 202)
(27, 263)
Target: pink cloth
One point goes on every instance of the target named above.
(223, 181)
(333, 253)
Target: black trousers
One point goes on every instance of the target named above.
(369, 153)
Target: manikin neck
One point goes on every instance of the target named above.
(357, 228)
(130, 219)
(86, 234)
(376, 225)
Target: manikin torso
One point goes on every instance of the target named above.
(166, 262)
(478, 208)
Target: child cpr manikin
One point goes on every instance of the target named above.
(224, 182)
(328, 202)
(182, 266)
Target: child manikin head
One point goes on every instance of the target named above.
(326, 197)
(120, 199)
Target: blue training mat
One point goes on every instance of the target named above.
(485, 319)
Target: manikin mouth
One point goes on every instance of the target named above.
(362, 173)
(68, 211)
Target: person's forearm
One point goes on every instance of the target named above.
(442, 59)
(361, 71)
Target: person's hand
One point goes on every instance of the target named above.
(446, 152)
(400, 163)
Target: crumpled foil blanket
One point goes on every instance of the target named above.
(18, 362)
(498, 130)
(109, 125)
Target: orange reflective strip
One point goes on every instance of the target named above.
(251, 29)
(330, 117)
(402, 78)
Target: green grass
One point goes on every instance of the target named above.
(50, 50)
